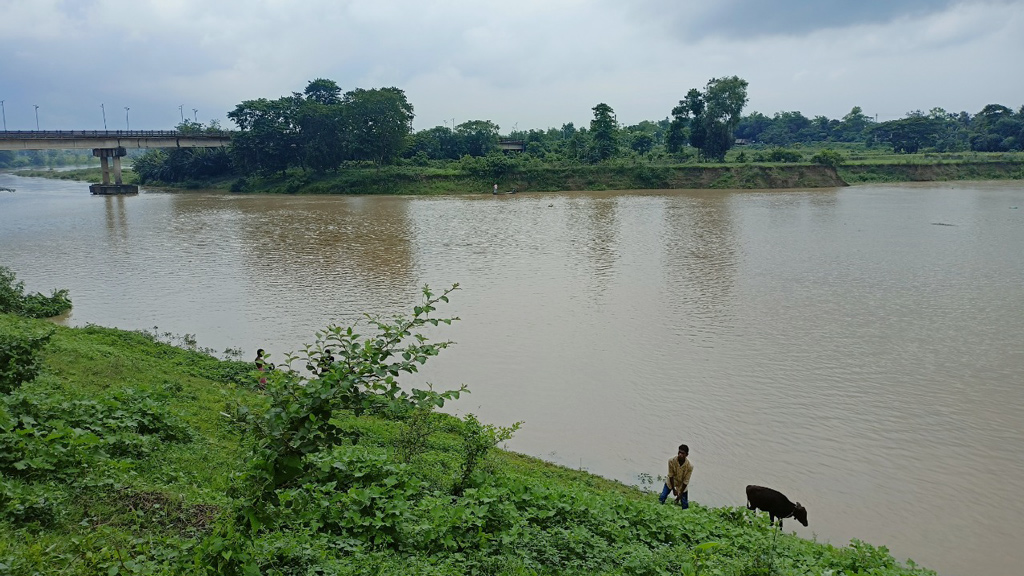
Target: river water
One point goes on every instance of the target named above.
(860, 349)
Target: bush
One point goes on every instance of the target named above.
(19, 358)
(784, 155)
(31, 503)
(43, 437)
(828, 157)
(13, 299)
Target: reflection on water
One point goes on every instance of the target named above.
(835, 344)
(117, 220)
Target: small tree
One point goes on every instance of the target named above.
(354, 373)
(477, 440)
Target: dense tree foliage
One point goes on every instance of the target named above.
(183, 164)
(995, 128)
(322, 129)
(602, 129)
(376, 124)
(48, 158)
(712, 116)
(477, 137)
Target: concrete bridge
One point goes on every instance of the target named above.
(110, 146)
(512, 145)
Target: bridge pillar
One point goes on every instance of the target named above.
(105, 155)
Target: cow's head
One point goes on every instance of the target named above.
(800, 513)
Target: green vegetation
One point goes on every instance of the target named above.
(13, 299)
(121, 454)
(709, 118)
(322, 141)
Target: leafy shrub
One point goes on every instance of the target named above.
(356, 494)
(784, 155)
(419, 425)
(477, 440)
(13, 299)
(829, 157)
(19, 358)
(42, 437)
(346, 372)
(31, 503)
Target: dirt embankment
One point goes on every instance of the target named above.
(665, 177)
(860, 173)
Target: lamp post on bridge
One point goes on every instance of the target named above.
(37, 116)
(127, 124)
(181, 112)
(104, 110)
(195, 115)
(4, 110)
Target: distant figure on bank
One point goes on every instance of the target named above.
(678, 480)
(261, 364)
(495, 189)
(775, 504)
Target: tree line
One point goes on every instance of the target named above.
(996, 128)
(323, 130)
(48, 158)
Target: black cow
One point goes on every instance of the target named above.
(775, 504)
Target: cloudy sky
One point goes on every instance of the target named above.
(519, 63)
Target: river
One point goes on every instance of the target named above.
(860, 349)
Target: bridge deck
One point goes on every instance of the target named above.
(98, 139)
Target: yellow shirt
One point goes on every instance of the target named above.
(679, 474)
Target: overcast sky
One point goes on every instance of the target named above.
(525, 63)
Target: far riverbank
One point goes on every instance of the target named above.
(417, 180)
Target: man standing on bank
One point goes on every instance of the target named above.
(679, 470)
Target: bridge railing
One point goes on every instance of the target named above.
(71, 134)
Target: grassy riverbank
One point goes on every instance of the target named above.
(860, 166)
(120, 458)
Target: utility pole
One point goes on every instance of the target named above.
(4, 110)
(127, 124)
(104, 110)
(195, 115)
(181, 113)
(37, 116)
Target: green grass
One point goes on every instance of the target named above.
(162, 507)
(91, 175)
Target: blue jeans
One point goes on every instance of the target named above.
(684, 500)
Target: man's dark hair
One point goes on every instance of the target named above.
(684, 448)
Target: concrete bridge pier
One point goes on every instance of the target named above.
(107, 157)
